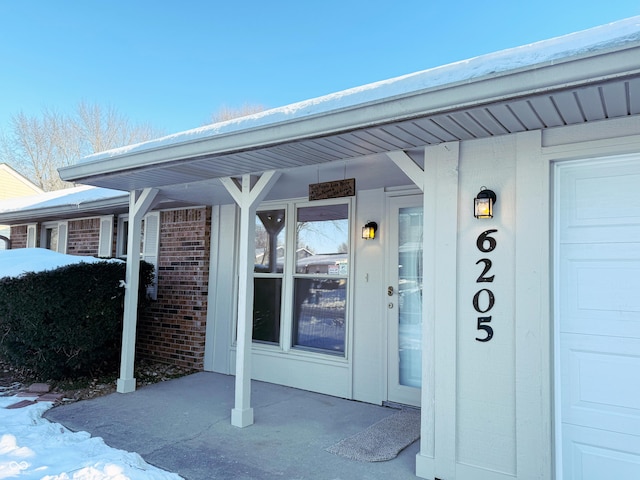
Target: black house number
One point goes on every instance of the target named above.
(484, 299)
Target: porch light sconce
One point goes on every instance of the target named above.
(483, 203)
(369, 230)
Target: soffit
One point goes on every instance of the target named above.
(573, 92)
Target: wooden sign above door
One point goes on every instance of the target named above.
(333, 189)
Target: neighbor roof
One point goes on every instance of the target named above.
(66, 203)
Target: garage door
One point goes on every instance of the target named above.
(598, 318)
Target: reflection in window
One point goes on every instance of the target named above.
(266, 309)
(269, 243)
(269, 265)
(323, 239)
(320, 284)
(320, 308)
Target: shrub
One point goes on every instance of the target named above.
(68, 321)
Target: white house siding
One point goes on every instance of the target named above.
(488, 409)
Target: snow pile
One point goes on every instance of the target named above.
(34, 448)
(14, 263)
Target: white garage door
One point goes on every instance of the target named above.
(598, 318)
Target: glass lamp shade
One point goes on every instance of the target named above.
(483, 204)
(369, 230)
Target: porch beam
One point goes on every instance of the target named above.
(248, 198)
(139, 205)
(410, 168)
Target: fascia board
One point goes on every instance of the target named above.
(520, 83)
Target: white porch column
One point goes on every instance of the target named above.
(139, 205)
(439, 184)
(248, 198)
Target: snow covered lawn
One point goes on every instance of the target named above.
(31, 447)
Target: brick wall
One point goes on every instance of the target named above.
(19, 236)
(173, 331)
(83, 237)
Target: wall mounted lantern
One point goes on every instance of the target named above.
(369, 230)
(483, 203)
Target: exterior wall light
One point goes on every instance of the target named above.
(483, 203)
(369, 230)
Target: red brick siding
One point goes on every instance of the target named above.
(19, 236)
(173, 330)
(83, 237)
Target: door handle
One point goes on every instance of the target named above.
(390, 290)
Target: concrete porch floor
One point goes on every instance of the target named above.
(184, 426)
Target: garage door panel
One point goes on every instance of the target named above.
(600, 289)
(592, 454)
(598, 317)
(599, 201)
(601, 382)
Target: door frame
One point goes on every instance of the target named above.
(395, 393)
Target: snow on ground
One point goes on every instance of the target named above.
(14, 263)
(31, 447)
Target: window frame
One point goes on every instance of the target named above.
(289, 275)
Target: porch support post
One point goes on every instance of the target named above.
(139, 206)
(248, 198)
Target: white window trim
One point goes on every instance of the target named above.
(32, 235)
(105, 240)
(149, 248)
(63, 229)
(288, 279)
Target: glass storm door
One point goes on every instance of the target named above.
(404, 300)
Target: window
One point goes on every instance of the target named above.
(149, 243)
(269, 266)
(310, 280)
(53, 236)
(320, 281)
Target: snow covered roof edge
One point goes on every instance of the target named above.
(72, 197)
(594, 40)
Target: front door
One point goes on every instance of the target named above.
(404, 299)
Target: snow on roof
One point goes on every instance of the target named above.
(14, 263)
(594, 40)
(76, 196)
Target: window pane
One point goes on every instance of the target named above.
(266, 309)
(320, 312)
(269, 241)
(51, 238)
(322, 239)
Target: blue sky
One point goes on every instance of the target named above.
(174, 63)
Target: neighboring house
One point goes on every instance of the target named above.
(88, 220)
(13, 185)
(517, 334)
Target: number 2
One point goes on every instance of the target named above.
(487, 267)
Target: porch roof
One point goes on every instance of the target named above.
(583, 77)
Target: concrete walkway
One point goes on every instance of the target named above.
(184, 426)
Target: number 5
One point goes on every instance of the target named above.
(486, 328)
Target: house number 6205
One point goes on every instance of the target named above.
(484, 300)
